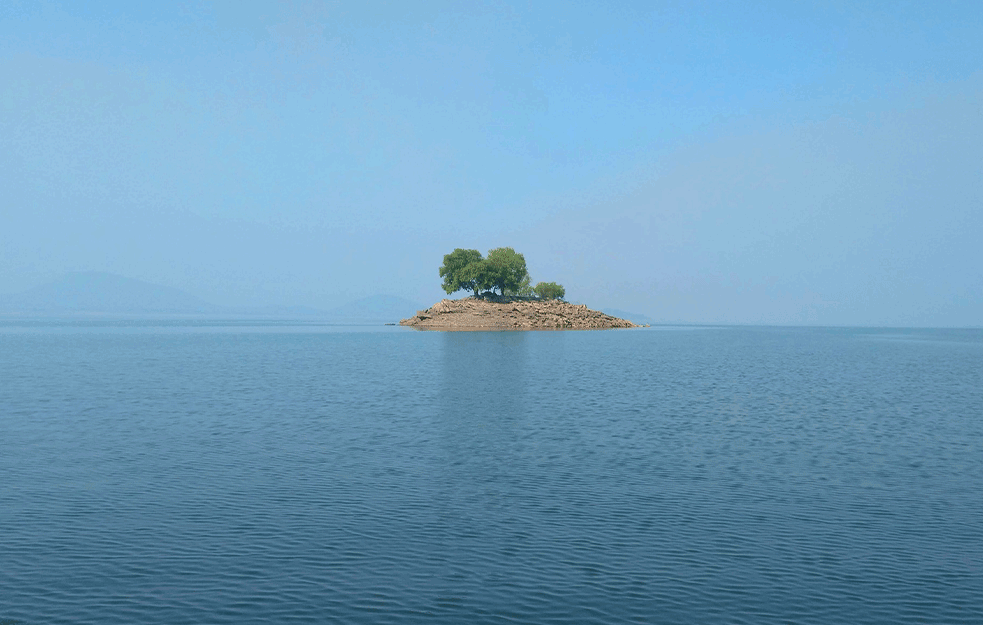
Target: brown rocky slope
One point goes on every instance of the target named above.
(509, 314)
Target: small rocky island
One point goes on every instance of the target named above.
(504, 313)
(518, 305)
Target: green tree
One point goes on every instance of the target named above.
(463, 269)
(505, 269)
(523, 290)
(550, 290)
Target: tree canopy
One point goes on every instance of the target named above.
(462, 269)
(504, 269)
(524, 289)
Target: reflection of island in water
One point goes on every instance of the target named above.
(483, 374)
(509, 314)
(482, 398)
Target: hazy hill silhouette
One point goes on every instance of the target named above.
(94, 292)
(99, 292)
(385, 308)
(634, 317)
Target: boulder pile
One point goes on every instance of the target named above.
(504, 314)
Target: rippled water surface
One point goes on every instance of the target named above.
(232, 473)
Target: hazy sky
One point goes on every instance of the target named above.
(778, 162)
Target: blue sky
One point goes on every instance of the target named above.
(780, 163)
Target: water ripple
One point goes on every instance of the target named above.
(739, 476)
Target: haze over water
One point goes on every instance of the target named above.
(763, 162)
(166, 472)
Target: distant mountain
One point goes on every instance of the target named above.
(98, 292)
(280, 312)
(633, 317)
(95, 292)
(384, 308)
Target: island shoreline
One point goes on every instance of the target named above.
(505, 314)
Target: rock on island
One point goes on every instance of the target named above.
(512, 314)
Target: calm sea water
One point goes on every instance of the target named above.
(179, 472)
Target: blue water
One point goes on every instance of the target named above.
(191, 472)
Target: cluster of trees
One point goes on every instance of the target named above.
(504, 269)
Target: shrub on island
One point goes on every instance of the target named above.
(549, 290)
